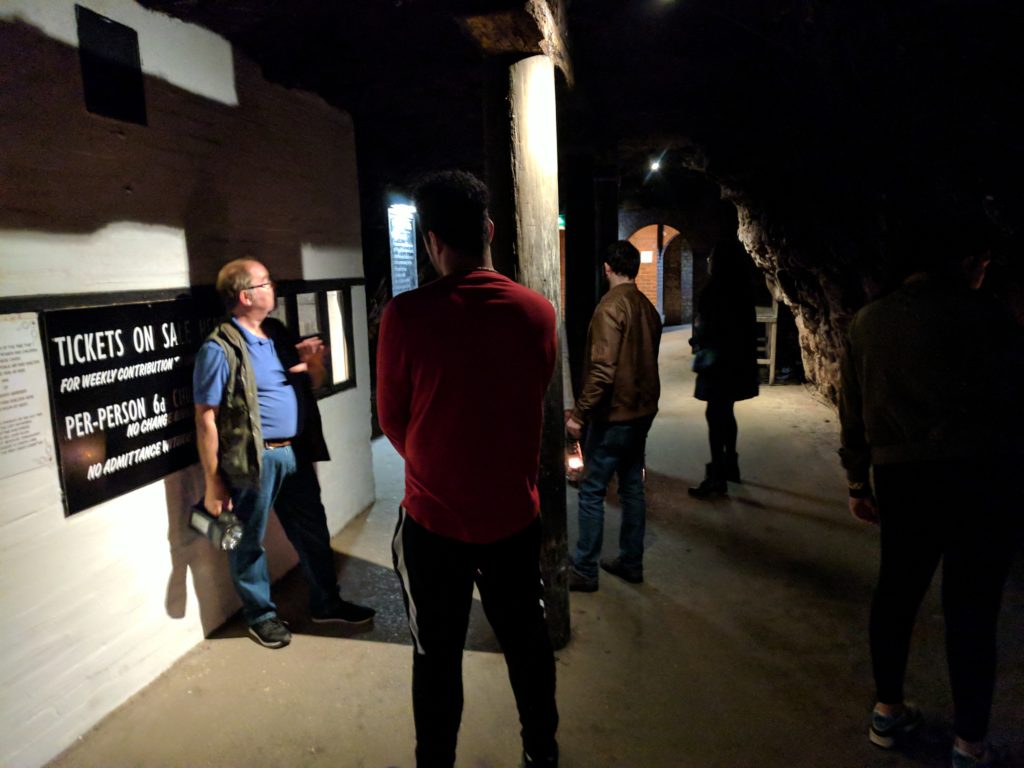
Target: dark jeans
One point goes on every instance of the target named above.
(958, 512)
(292, 488)
(722, 430)
(437, 576)
(612, 448)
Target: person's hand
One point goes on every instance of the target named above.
(311, 354)
(865, 509)
(311, 349)
(567, 413)
(574, 428)
(217, 497)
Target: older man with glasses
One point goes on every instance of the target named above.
(258, 432)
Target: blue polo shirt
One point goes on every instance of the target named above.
(279, 407)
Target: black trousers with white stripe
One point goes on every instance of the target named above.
(437, 575)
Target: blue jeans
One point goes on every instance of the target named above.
(612, 448)
(292, 488)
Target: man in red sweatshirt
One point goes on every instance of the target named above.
(462, 367)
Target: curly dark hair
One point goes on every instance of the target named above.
(453, 205)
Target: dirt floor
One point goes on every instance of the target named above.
(745, 647)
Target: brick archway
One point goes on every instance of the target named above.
(649, 279)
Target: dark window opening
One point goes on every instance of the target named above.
(111, 67)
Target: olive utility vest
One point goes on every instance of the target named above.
(239, 434)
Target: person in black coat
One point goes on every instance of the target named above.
(724, 343)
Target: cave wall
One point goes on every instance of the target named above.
(896, 115)
(821, 288)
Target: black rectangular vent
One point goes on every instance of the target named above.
(111, 67)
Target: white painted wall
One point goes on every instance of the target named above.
(96, 605)
(347, 480)
(44, 262)
(183, 54)
(321, 262)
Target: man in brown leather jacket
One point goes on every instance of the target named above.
(617, 402)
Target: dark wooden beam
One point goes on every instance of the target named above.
(528, 30)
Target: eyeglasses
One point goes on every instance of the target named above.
(269, 283)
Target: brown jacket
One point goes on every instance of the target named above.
(620, 369)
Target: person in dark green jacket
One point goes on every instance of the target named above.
(930, 400)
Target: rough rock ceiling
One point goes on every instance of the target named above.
(792, 100)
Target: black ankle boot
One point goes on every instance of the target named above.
(712, 485)
(732, 467)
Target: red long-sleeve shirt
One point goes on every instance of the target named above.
(462, 367)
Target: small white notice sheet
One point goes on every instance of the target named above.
(26, 441)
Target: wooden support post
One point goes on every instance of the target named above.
(522, 175)
(498, 141)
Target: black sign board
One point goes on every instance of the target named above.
(121, 392)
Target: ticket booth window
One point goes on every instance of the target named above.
(336, 314)
(323, 308)
(308, 315)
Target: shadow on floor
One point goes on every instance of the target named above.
(757, 537)
(366, 583)
(661, 487)
(789, 492)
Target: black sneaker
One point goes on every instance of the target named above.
(580, 583)
(346, 613)
(616, 568)
(271, 633)
(886, 730)
(992, 757)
